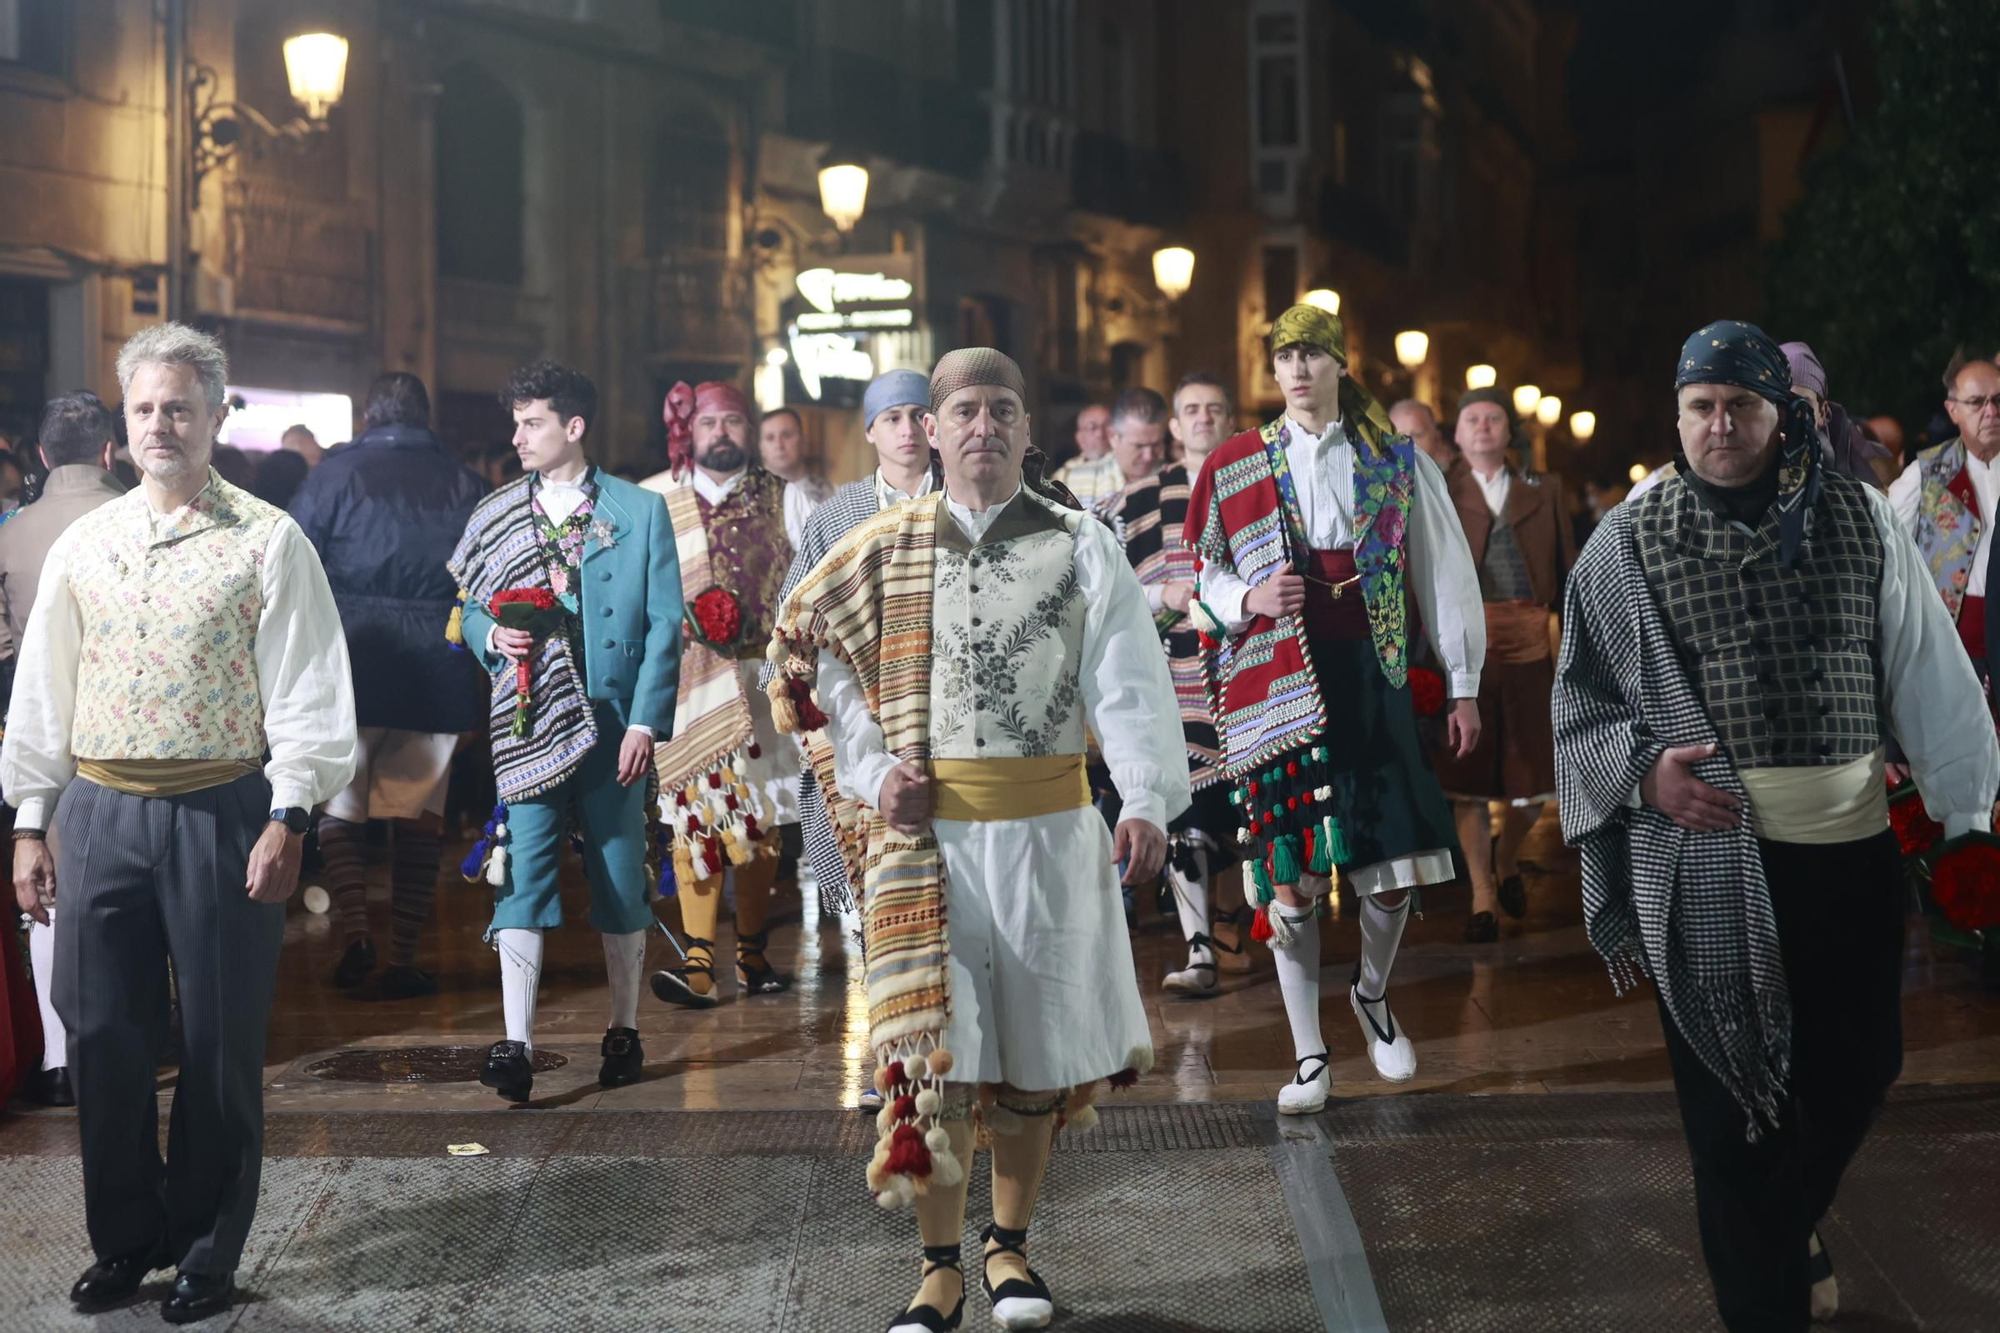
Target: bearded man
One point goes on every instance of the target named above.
(961, 646)
(726, 781)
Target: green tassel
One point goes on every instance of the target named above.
(1334, 840)
(1322, 857)
(1285, 858)
(1261, 882)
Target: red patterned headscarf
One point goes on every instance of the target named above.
(684, 404)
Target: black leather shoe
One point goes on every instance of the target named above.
(112, 1282)
(1483, 928)
(1514, 897)
(197, 1296)
(355, 964)
(624, 1058)
(508, 1071)
(48, 1087)
(406, 981)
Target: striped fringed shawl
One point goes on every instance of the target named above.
(1150, 517)
(501, 550)
(869, 603)
(713, 816)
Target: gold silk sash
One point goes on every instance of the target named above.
(1820, 804)
(1019, 788)
(163, 777)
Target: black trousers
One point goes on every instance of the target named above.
(1839, 910)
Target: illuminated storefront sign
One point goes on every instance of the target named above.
(829, 356)
(839, 310)
(259, 418)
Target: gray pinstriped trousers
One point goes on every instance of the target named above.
(141, 880)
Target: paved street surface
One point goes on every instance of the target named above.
(1531, 1177)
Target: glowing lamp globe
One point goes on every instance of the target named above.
(1173, 271)
(1481, 376)
(1549, 410)
(1583, 425)
(316, 66)
(1525, 398)
(1323, 298)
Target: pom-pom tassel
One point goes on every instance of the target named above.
(1282, 934)
(810, 718)
(1260, 928)
(454, 625)
(496, 868)
(784, 713)
(1335, 839)
(1285, 859)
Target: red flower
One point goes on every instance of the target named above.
(1966, 886)
(1916, 831)
(539, 598)
(717, 617)
(1426, 692)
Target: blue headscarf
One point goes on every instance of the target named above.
(1741, 355)
(894, 388)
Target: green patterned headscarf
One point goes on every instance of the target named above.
(1313, 327)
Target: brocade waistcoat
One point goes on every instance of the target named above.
(1503, 571)
(1784, 659)
(168, 668)
(1007, 637)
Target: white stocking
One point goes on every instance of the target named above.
(42, 956)
(1298, 979)
(624, 964)
(1381, 933)
(1192, 898)
(520, 971)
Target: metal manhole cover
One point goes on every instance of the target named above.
(415, 1064)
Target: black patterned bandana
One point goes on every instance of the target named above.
(1741, 355)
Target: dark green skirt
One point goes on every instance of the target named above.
(1384, 794)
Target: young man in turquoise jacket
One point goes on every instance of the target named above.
(578, 702)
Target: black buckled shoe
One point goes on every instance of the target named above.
(355, 965)
(406, 981)
(112, 1282)
(508, 1070)
(624, 1058)
(49, 1087)
(1016, 1303)
(1514, 896)
(928, 1318)
(197, 1296)
(672, 984)
(758, 977)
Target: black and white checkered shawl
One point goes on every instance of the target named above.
(1690, 910)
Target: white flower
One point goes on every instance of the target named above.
(606, 536)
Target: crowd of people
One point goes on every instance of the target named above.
(946, 689)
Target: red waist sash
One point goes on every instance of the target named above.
(1334, 609)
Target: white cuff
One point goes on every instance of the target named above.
(33, 812)
(1227, 604)
(642, 729)
(1146, 804)
(1464, 685)
(1156, 597)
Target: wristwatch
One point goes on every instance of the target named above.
(294, 818)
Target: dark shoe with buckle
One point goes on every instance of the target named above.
(1482, 928)
(624, 1058)
(112, 1282)
(355, 965)
(754, 973)
(1514, 897)
(509, 1071)
(197, 1296)
(407, 981)
(48, 1087)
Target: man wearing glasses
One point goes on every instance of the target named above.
(1945, 499)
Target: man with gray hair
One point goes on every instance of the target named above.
(1416, 420)
(1093, 473)
(180, 841)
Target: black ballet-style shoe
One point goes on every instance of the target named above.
(1016, 1303)
(112, 1282)
(671, 983)
(355, 964)
(929, 1317)
(1482, 928)
(759, 977)
(197, 1296)
(624, 1058)
(49, 1087)
(509, 1071)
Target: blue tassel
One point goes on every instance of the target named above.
(668, 885)
(475, 860)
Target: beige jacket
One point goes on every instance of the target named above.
(72, 491)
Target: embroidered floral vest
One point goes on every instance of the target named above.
(1947, 521)
(1007, 637)
(168, 667)
(748, 552)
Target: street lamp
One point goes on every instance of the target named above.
(1412, 346)
(1480, 376)
(1525, 398)
(1638, 472)
(843, 190)
(1323, 298)
(1173, 271)
(315, 68)
(1549, 410)
(1583, 425)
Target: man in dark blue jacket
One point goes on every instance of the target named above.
(384, 512)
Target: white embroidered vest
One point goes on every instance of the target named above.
(1007, 637)
(169, 668)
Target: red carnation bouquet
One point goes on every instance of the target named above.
(1916, 832)
(1426, 692)
(715, 618)
(537, 611)
(1965, 882)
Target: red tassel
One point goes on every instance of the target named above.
(894, 1074)
(810, 718)
(713, 849)
(1260, 927)
(1309, 845)
(750, 829)
(715, 779)
(1291, 803)
(909, 1159)
(1292, 769)
(755, 752)
(905, 1108)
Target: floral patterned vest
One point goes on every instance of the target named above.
(749, 553)
(1947, 521)
(168, 668)
(1007, 636)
